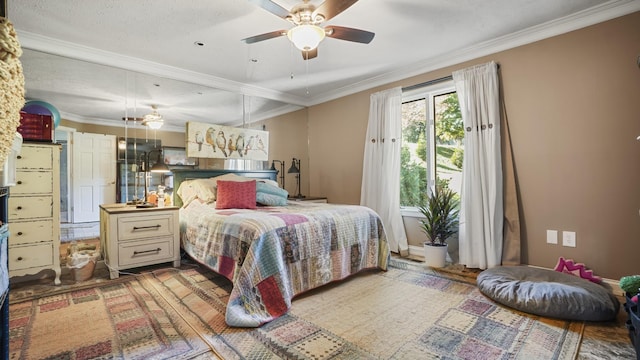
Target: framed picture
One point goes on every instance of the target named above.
(177, 156)
(226, 142)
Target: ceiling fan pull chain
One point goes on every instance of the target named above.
(306, 64)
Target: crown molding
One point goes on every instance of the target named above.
(285, 109)
(594, 15)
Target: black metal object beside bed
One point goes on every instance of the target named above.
(180, 175)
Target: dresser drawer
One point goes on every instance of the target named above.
(149, 251)
(21, 207)
(142, 227)
(33, 182)
(35, 157)
(24, 257)
(29, 232)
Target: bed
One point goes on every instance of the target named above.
(273, 253)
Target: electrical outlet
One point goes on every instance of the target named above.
(552, 236)
(569, 238)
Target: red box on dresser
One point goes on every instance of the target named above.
(34, 127)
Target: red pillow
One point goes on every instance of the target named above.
(236, 195)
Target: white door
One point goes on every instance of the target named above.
(94, 175)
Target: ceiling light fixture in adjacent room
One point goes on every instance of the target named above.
(153, 120)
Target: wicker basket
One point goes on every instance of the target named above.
(84, 273)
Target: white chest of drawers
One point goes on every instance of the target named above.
(34, 211)
(132, 237)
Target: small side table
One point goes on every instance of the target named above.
(316, 199)
(132, 237)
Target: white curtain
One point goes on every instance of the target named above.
(381, 169)
(481, 209)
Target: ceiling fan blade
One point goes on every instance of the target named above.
(309, 54)
(266, 36)
(272, 7)
(331, 8)
(349, 34)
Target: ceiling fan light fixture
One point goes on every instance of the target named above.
(153, 120)
(153, 124)
(306, 37)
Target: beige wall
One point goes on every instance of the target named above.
(573, 106)
(287, 140)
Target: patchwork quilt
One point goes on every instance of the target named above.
(274, 253)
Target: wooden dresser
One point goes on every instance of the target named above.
(34, 211)
(132, 237)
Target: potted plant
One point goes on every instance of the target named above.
(440, 222)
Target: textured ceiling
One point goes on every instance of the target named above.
(96, 61)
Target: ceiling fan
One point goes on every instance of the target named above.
(306, 35)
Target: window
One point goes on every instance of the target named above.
(432, 143)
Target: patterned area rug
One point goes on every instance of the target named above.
(405, 313)
(124, 320)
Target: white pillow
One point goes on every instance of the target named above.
(203, 189)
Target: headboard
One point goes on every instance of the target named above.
(180, 175)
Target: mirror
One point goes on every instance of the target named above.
(92, 93)
(87, 92)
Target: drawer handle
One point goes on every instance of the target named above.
(19, 157)
(19, 233)
(146, 227)
(19, 207)
(146, 251)
(19, 258)
(19, 182)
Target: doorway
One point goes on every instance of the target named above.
(62, 136)
(93, 182)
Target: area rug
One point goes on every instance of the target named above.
(122, 320)
(407, 312)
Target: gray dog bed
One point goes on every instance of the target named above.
(548, 293)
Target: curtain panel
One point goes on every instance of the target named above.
(380, 189)
(481, 208)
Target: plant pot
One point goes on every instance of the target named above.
(435, 255)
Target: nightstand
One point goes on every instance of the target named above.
(132, 237)
(314, 199)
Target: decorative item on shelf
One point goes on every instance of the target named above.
(42, 108)
(176, 157)
(295, 169)
(36, 127)
(281, 171)
(161, 196)
(145, 167)
(153, 120)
